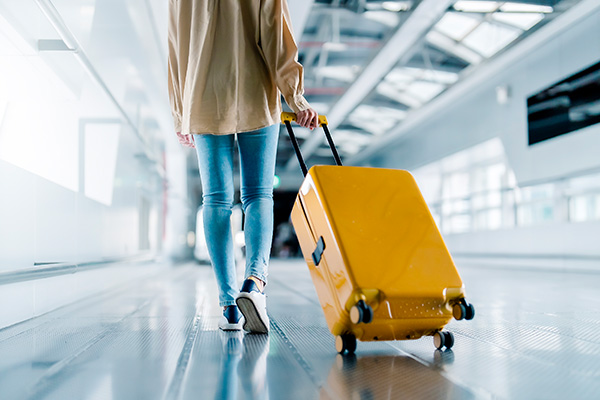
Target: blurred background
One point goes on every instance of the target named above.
(493, 106)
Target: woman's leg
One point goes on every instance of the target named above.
(257, 158)
(215, 160)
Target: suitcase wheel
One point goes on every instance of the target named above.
(361, 312)
(470, 312)
(441, 339)
(463, 310)
(459, 311)
(346, 342)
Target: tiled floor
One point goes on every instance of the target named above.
(535, 336)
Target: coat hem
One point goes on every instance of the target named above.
(205, 131)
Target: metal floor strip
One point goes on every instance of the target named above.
(174, 388)
(51, 377)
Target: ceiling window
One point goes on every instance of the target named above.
(487, 39)
(376, 120)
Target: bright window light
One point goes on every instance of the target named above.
(46, 145)
(524, 21)
(101, 149)
(433, 75)
(398, 78)
(526, 8)
(456, 25)
(387, 90)
(321, 108)
(477, 6)
(446, 44)
(488, 39)
(383, 17)
(338, 72)
(335, 46)
(396, 6)
(377, 120)
(350, 148)
(425, 91)
(351, 141)
(11, 43)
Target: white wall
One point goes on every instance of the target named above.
(548, 240)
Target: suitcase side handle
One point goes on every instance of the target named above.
(287, 118)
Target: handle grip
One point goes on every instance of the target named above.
(287, 118)
(291, 117)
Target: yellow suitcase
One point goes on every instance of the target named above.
(378, 262)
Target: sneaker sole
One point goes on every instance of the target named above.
(231, 327)
(253, 321)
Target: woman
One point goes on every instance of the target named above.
(229, 60)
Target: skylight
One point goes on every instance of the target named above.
(344, 73)
(415, 86)
(524, 21)
(488, 38)
(425, 91)
(401, 77)
(351, 141)
(387, 90)
(377, 120)
(433, 75)
(484, 27)
(449, 45)
(457, 25)
(383, 17)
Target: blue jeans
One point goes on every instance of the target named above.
(257, 161)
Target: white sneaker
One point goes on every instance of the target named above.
(231, 320)
(253, 305)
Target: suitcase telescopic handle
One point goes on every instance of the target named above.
(287, 119)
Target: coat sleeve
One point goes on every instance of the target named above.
(174, 81)
(280, 51)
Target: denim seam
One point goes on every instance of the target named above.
(255, 271)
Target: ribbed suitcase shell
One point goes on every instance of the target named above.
(381, 245)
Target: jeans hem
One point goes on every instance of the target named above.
(254, 273)
(227, 303)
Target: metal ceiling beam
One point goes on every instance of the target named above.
(400, 44)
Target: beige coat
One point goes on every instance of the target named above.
(228, 62)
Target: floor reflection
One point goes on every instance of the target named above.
(391, 377)
(243, 360)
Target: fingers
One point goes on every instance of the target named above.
(301, 118)
(186, 140)
(308, 119)
(315, 120)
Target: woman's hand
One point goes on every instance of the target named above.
(308, 119)
(186, 140)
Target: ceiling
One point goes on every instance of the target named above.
(370, 64)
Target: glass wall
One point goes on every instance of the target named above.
(82, 132)
(476, 190)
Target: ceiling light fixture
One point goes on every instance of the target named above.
(396, 6)
(477, 6)
(526, 8)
